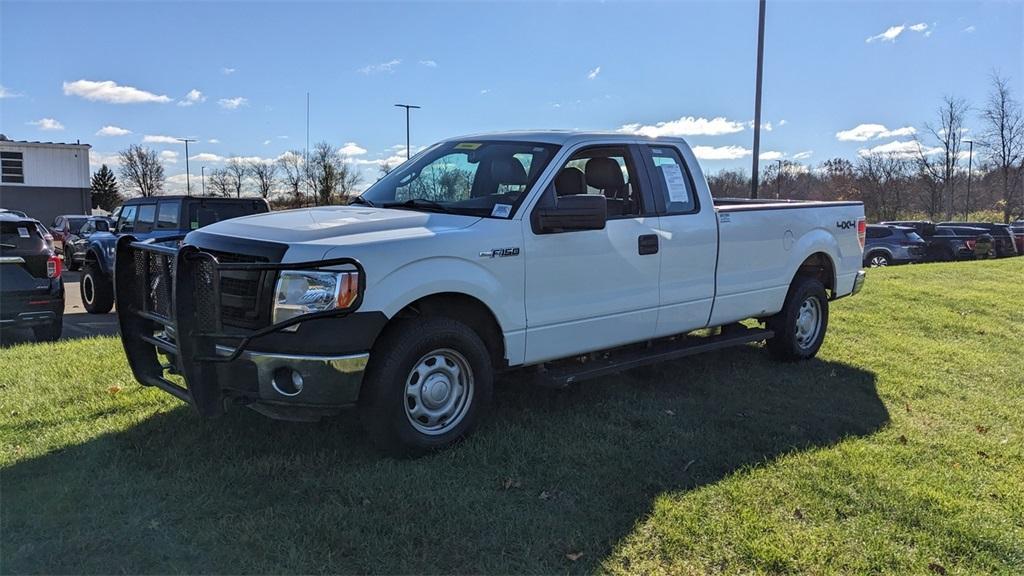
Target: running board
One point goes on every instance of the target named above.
(563, 373)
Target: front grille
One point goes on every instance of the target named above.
(244, 295)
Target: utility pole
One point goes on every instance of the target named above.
(407, 108)
(778, 181)
(970, 166)
(757, 98)
(188, 184)
(202, 170)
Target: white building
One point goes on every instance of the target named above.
(44, 179)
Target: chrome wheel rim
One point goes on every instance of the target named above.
(438, 391)
(877, 261)
(88, 290)
(808, 323)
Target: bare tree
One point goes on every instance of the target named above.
(938, 164)
(883, 179)
(385, 169)
(329, 177)
(236, 172)
(729, 184)
(265, 174)
(293, 172)
(220, 182)
(1003, 140)
(141, 170)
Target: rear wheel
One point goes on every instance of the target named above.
(96, 288)
(878, 259)
(428, 384)
(800, 326)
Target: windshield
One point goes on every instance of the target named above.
(480, 178)
(75, 224)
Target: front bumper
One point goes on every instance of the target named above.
(170, 310)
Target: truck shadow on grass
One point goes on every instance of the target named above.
(551, 472)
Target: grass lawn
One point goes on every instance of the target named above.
(900, 449)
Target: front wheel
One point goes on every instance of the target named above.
(96, 288)
(800, 326)
(428, 384)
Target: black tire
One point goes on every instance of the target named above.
(69, 261)
(49, 332)
(877, 259)
(386, 405)
(96, 288)
(792, 342)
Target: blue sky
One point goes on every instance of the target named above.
(69, 70)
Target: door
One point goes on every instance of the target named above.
(689, 242)
(594, 289)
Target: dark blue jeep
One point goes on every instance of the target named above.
(159, 217)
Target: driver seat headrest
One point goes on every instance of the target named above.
(604, 174)
(508, 171)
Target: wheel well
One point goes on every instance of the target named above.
(465, 309)
(819, 266)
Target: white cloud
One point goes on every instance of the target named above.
(889, 35)
(5, 93)
(803, 155)
(193, 97)
(720, 152)
(593, 73)
(232, 103)
(429, 63)
(157, 139)
(970, 29)
(97, 159)
(169, 156)
(351, 149)
(686, 126)
(783, 122)
(213, 141)
(919, 27)
(48, 124)
(771, 156)
(900, 148)
(388, 67)
(110, 91)
(206, 157)
(266, 142)
(766, 126)
(864, 132)
(227, 71)
(112, 131)
(485, 91)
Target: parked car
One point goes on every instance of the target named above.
(888, 245)
(77, 243)
(578, 254)
(1003, 243)
(941, 247)
(165, 217)
(1018, 235)
(65, 226)
(31, 290)
(971, 243)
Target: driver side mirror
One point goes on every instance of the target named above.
(570, 213)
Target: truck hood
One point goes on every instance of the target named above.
(336, 225)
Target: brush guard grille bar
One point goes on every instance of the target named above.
(169, 300)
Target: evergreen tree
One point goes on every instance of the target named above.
(104, 189)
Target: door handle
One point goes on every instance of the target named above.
(647, 244)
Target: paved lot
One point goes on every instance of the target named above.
(77, 322)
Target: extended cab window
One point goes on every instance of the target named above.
(672, 180)
(147, 215)
(605, 171)
(167, 215)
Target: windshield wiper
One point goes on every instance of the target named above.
(361, 200)
(421, 203)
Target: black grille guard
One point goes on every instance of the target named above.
(169, 299)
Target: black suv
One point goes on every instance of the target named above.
(944, 243)
(1002, 237)
(31, 290)
(887, 245)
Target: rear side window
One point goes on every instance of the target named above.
(914, 237)
(167, 215)
(874, 232)
(672, 180)
(206, 213)
(147, 215)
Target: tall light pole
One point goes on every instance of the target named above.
(202, 170)
(407, 108)
(778, 181)
(757, 98)
(970, 166)
(188, 185)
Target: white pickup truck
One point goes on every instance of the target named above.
(575, 254)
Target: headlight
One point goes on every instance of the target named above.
(301, 292)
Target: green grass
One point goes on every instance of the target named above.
(899, 450)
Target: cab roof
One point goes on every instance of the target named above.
(563, 137)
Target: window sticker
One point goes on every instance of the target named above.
(675, 184)
(467, 145)
(23, 232)
(501, 210)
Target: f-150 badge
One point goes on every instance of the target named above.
(500, 252)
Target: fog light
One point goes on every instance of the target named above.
(287, 382)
